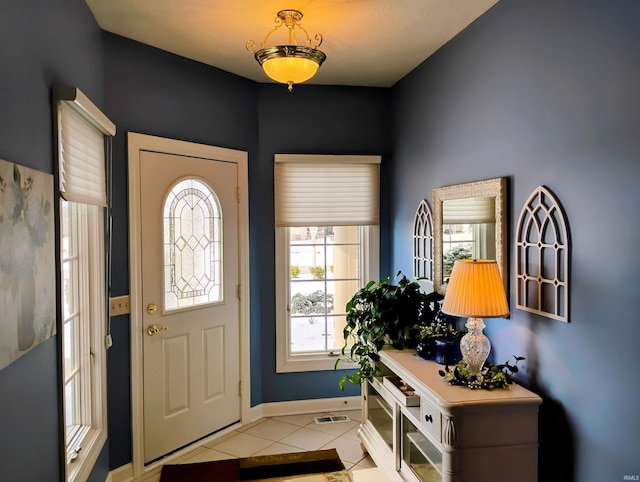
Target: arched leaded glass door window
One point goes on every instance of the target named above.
(423, 242)
(192, 246)
(542, 257)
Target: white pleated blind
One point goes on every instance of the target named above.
(472, 210)
(81, 129)
(326, 190)
(82, 167)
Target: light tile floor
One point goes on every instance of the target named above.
(294, 433)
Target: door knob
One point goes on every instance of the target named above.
(154, 329)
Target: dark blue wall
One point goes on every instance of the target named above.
(152, 92)
(42, 44)
(309, 120)
(546, 92)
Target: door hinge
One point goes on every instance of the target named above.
(240, 388)
(239, 292)
(238, 193)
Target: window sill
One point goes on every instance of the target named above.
(80, 468)
(311, 363)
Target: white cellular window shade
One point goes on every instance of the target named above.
(473, 210)
(82, 129)
(326, 190)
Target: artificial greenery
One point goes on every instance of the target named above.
(439, 340)
(381, 313)
(438, 328)
(493, 376)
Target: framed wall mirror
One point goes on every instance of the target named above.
(469, 222)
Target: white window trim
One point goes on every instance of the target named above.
(93, 437)
(285, 361)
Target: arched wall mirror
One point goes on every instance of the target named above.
(469, 222)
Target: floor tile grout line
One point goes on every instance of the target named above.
(334, 439)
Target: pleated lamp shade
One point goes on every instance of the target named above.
(475, 290)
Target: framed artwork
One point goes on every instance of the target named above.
(27, 260)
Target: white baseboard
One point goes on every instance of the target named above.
(297, 407)
(123, 473)
(272, 409)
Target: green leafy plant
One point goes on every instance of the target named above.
(295, 271)
(381, 313)
(317, 272)
(493, 376)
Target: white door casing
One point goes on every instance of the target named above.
(185, 379)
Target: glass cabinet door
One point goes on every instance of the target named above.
(418, 453)
(380, 414)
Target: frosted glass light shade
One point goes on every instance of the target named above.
(290, 69)
(290, 64)
(475, 289)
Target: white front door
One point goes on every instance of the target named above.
(189, 298)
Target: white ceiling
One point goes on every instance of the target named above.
(367, 42)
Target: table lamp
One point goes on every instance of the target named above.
(475, 290)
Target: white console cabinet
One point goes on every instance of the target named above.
(447, 433)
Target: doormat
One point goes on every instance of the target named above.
(313, 466)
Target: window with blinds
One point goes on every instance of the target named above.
(81, 149)
(471, 210)
(468, 230)
(326, 217)
(327, 190)
(83, 135)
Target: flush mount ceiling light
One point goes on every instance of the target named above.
(291, 63)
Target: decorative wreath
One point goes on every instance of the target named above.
(493, 376)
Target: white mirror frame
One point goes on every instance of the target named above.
(496, 188)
